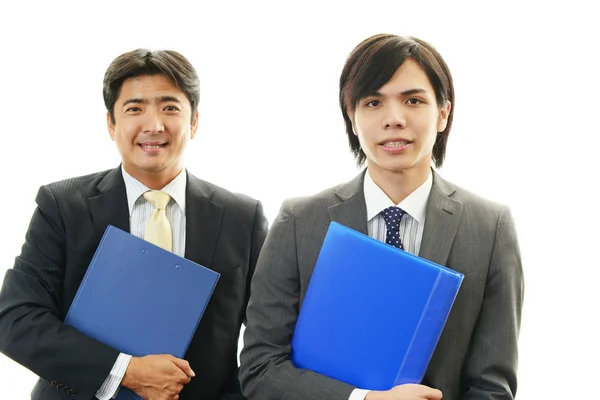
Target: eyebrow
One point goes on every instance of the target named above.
(405, 93)
(161, 99)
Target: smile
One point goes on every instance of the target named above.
(151, 146)
(395, 144)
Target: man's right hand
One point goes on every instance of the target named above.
(406, 392)
(157, 377)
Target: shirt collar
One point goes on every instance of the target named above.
(135, 189)
(415, 204)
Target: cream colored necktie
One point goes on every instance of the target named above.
(158, 229)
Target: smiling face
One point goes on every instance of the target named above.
(397, 125)
(153, 124)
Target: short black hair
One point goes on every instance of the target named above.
(373, 63)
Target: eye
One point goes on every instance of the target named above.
(171, 108)
(414, 101)
(133, 109)
(373, 103)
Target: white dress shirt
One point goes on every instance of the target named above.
(140, 211)
(411, 224)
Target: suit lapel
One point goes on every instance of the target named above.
(442, 220)
(110, 206)
(203, 222)
(352, 210)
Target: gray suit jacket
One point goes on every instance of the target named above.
(476, 356)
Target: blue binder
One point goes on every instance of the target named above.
(372, 314)
(140, 299)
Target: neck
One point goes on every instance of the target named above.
(155, 180)
(397, 185)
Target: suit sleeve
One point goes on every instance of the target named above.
(490, 371)
(259, 234)
(266, 371)
(31, 329)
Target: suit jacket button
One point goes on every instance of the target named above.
(72, 393)
(54, 383)
(60, 386)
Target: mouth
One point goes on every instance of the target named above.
(396, 145)
(152, 145)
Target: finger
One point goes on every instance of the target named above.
(427, 392)
(174, 389)
(434, 394)
(184, 366)
(182, 378)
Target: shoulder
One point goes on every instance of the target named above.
(322, 199)
(474, 205)
(221, 196)
(80, 186)
(473, 200)
(318, 203)
(313, 207)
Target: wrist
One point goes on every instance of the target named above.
(373, 395)
(130, 378)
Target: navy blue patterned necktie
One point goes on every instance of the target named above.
(392, 216)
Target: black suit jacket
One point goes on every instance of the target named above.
(224, 232)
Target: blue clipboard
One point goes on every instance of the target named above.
(140, 299)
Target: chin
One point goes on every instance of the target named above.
(149, 167)
(395, 167)
(398, 170)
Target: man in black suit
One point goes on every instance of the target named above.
(151, 100)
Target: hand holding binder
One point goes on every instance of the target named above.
(155, 374)
(139, 298)
(406, 391)
(372, 314)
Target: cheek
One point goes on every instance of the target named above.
(126, 132)
(364, 128)
(427, 128)
(178, 130)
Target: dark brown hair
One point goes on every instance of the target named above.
(374, 61)
(138, 62)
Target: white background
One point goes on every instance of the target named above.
(525, 130)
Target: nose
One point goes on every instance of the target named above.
(153, 122)
(394, 116)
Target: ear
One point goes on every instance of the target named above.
(194, 125)
(444, 114)
(110, 126)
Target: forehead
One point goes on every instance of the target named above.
(410, 75)
(149, 86)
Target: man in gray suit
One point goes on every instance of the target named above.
(396, 96)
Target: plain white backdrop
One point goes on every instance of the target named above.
(525, 127)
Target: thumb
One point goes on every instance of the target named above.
(184, 366)
(435, 395)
